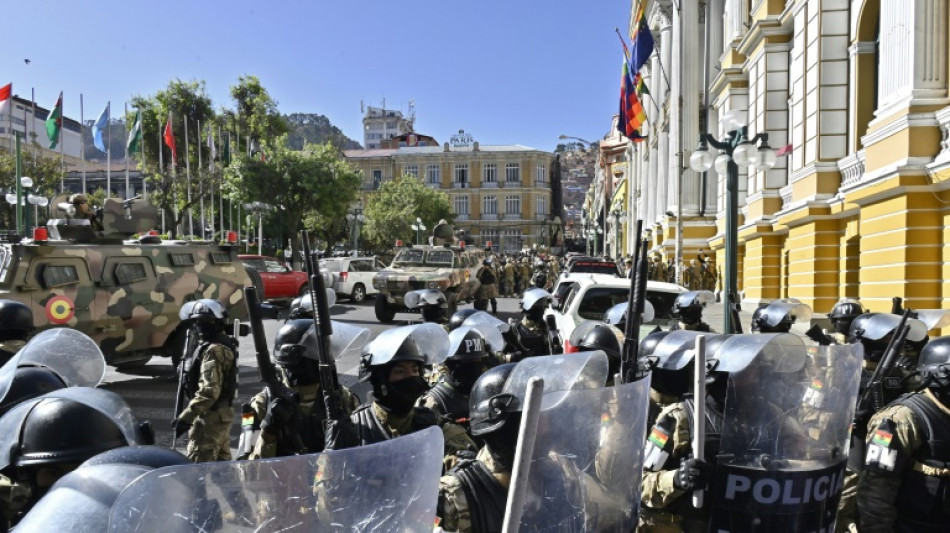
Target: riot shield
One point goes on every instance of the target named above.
(484, 318)
(676, 349)
(346, 339)
(881, 325)
(389, 486)
(586, 477)
(431, 339)
(618, 313)
(779, 309)
(934, 318)
(561, 373)
(784, 442)
(69, 353)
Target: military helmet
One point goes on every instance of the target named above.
(933, 364)
(759, 324)
(62, 431)
(459, 317)
(468, 344)
(289, 353)
(601, 336)
(843, 314)
(873, 348)
(489, 409)
(16, 318)
(375, 365)
(30, 382)
(203, 310)
(534, 298)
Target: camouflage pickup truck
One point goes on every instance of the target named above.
(87, 273)
(450, 269)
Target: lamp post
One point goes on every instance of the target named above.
(19, 200)
(356, 218)
(418, 226)
(618, 214)
(260, 208)
(594, 232)
(38, 202)
(735, 150)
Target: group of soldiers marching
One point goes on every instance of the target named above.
(682, 430)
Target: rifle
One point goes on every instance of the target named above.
(275, 387)
(816, 334)
(734, 308)
(323, 328)
(629, 364)
(180, 397)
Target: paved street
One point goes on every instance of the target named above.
(151, 390)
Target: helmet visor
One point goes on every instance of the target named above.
(69, 353)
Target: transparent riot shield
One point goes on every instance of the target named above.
(346, 340)
(561, 373)
(484, 318)
(69, 353)
(494, 342)
(387, 487)
(431, 339)
(776, 311)
(586, 463)
(880, 325)
(784, 442)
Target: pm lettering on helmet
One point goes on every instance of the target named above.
(474, 345)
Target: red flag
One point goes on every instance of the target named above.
(785, 150)
(6, 94)
(170, 140)
(632, 115)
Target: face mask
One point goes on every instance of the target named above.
(465, 376)
(402, 395)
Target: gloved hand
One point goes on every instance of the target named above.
(180, 427)
(280, 413)
(692, 474)
(340, 434)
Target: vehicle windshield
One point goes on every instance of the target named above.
(594, 267)
(412, 256)
(440, 257)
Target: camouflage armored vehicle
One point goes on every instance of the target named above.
(88, 274)
(451, 269)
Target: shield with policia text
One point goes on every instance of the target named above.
(784, 443)
(586, 461)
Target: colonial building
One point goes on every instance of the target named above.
(855, 96)
(501, 194)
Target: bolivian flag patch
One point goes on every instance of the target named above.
(659, 438)
(882, 438)
(817, 384)
(247, 419)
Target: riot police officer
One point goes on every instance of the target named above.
(468, 359)
(904, 484)
(688, 307)
(393, 363)
(210, 375)
(592, 335)
(278, 422)
(779, 315)
(431, 304)
(532, 333)
(842, 315)
(458, 317)
(472, 495)
(16, 325)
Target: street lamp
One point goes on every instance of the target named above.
(356, 218)
(38, 202)
(418, 226)
(17, 199)
(260, 208)
(618, 214)
(593, 233)
(735, 150)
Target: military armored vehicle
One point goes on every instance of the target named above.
(445, 264)
(86, 272)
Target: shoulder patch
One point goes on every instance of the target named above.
(884, 453)
(659, 445)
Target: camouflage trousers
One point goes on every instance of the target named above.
(210, 436)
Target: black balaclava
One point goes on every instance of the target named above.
(399, 396)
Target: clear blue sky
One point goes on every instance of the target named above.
(506, 71)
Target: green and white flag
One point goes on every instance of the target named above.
(54, 123)
(134, 143)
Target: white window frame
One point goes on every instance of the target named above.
(490, 205)
(490, 173)
(460, 174)
(513, 201)
(411, 170)
(542, 173)
(433, 174)
(512, 173)
(541, 205)
(461, 205)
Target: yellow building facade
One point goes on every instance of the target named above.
(500, 193)
(854, 94)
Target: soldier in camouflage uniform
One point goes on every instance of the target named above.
(16, 325)
(211, 383)
(531, 334)
(510, 288)
(449, 397)
(301, 375)
(905, 484)
(472, 495)
(662, 272)
(525, 275)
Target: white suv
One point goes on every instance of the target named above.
(588, 298)
(352, 276)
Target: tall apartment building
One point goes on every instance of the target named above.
(501, 194)
(380, 124)
(857, 93)
(30, 121)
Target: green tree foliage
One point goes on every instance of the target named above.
(311, 128)
(46, 173)
(395, 207)
(313, 185)
(255, 114)
(168, 186)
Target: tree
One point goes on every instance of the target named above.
(46, 173)
(168, 186)
(312, 188)
(255, 114)
(396, 205)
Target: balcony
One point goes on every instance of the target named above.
(541, 184)
(852, 169)
(512, 184)
(489, 216)
(489, 185)
(543, 217)
(461, 217)
(434, 185)
(460, 185)
(511, 216)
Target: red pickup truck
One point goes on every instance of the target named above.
(280, 281)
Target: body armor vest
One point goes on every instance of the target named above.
(193, 375)
(923, 504)
(308, 426)
(452, 404)
(369, 430)
(486, 497)
(536, 343)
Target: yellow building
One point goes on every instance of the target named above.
(855, 94)
(500, 194)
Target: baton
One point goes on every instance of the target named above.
(699, 411)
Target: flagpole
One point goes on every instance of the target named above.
(125, 114)
(161, 169)
(108, 150)
(62, 151)
(201, 187)
(191, 218)
(82, 140)
(33, 119)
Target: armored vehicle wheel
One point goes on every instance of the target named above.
(384, 312)
(358, 294)
(256, 282)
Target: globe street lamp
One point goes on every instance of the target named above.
(735, 150)
(17, 199)
(594, 232)
(38, 202)
(418, 226)
(618, 214)
(260, 208)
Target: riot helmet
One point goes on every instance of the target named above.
(16, 320)
(393, 363)
(289, 353)
(534, 302)
(875, 330)
(592, 335)
(467, 358)
(208, 315)
(459, 317)
(779, 315)
(670, 381)
(490, 411)
(149, 456)
(933, 364)
(843, 314)
(30, 382)
(689, 306)
(429, 302)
